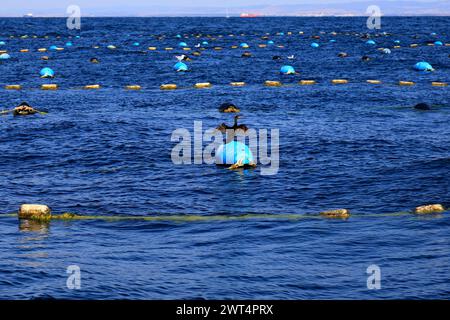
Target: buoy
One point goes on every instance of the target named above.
(371, 42)
(246, 54)
(431, 208)
(269, 83)
(270, 42)
(337, 213)
(438, 43)
(45, 58)
(34, 212)
(413, 45)
(168, 87)
(386, 51)
(205, 43)
(228, 108)
(2, 43)
(53, 48)
(439, 84)
(406, 83)
(339, 81)
(182, 44)
(13, 87)
(202, 85)
(186, 49)
(42, 49)
(315, 45)
(342, 54)
(374, 81)
(59, 49)
(422, 106)
(237, 84)
(234, 152)
(4, 56)
(244, 45)
(234, 47)
(136, 44)
(133, 87)
(218, 48)
(24, 50)
(47, 73)
(49, 87)
(262, 45)
(423, 66)
(180, 66)
(152, 48)
(287, 70)
(69, 44)
(168, 49)
(111, 47)
(307, 82)
(92, 86)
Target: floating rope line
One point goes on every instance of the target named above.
(43, 213)
(268, 83)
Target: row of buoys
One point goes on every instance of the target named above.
(268, 83)
(43, 213)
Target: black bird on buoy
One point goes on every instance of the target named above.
(224, 127)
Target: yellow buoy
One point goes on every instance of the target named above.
(13, 87)
(24, 50)
(234, 47)
(338, 213)
(397, 47)
(237, 84)
(307, 82)
(217, 48)
(42, 49)
(431, 208)
(430, 44)
(35, 211)
(169, 86)
(406, 83)
(59, 49)
(439, 84)
(270, 83)
(186, 49)
(374, 81)
(339, 81)
(49, 87)
(133, 87)
(152, 48)
(3, 51)
(447, 44)
(202, 85)
(413, 45)
(92, 86)
(168, 49)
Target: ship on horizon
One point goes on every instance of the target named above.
(250, 15)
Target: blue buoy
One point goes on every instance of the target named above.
(69, 44)
(244, 45)
(397, 41)
(205, 43)
(78, 37)
(332, 40)
(423, 66)
(136, 44)
(47, 73)
(234, 152)
(371, 42)
(438, 43)
(178, 35)
(53, 48)
(180, 66)
(2, 43)
(315, 45)
(182, 44)
(287, 70)
(270, 42)
(4, 56)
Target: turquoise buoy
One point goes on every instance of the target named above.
(315, 45)
(180, 66)
(136, 44)
(205, 43)
(270, 42)
(53, 48)
(69, 44)
(2, 43)
(182, 44)
(371, 42)
(423, 66)
(287, 70)
(244, 45)
(4, 56)
(438, 43)
(47, 73)
(233, 152)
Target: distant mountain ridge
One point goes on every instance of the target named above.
(350, 8)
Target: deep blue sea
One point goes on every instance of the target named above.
(107, 152)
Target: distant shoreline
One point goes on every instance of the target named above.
(232, 17)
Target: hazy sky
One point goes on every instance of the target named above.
(46, 7)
